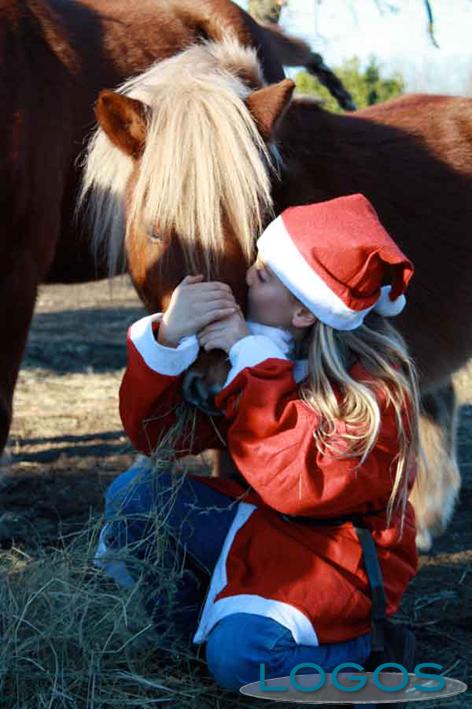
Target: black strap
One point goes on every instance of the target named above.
(377, 590)
(371, 563)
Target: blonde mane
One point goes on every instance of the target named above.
(204, 166)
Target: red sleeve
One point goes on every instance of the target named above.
(270, 439)
(151, 403)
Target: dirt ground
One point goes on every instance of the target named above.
(67, 444)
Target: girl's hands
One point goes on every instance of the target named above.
(193, 305)
(224, 333)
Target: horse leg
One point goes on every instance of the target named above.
(18, 289)
(438, 481)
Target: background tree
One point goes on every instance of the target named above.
(269, 11)
(366, 86)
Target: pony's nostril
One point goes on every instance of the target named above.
(214, 389)
(196, 392)
(189, 390)
(201, 388)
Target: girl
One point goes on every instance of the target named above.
(320, 416)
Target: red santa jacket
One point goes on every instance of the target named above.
(310, 579)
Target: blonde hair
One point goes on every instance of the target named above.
(383, 352)
(205, 164)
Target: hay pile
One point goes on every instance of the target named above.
(73, 638)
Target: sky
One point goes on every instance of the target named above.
(340, 29)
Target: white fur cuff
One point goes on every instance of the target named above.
(170, 361)
(249, 351)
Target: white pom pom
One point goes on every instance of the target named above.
(389, 308)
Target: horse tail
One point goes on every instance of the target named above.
(292, 51)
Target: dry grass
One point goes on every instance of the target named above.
(74, 638)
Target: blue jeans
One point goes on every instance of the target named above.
(198, 518)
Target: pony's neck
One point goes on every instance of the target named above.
(309, 147)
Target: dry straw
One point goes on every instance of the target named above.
(71, 637)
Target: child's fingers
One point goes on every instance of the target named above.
(206, 299)
(213, 326)
(214, 286)
(204, 306)
(202, 340)
(203, 335)
(215, 314)
(206, 286)
(212, 343)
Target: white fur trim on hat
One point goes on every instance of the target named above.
(389, 308)
(277, 249)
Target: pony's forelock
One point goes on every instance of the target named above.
(205, 165)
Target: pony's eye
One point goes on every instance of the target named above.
(155, 237)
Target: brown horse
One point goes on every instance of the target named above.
(55, 57)
(183, 162)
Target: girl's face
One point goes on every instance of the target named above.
(270, 302)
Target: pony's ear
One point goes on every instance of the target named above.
(124, 121)
(269, 104)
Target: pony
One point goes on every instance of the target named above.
(192, 157)
(55, 57)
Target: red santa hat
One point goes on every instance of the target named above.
(333, 256)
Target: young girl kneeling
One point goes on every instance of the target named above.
(320, 416)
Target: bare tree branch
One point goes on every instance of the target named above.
(430, 16)
(389, 6)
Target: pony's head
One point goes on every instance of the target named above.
(178, 173)
(178, 177)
